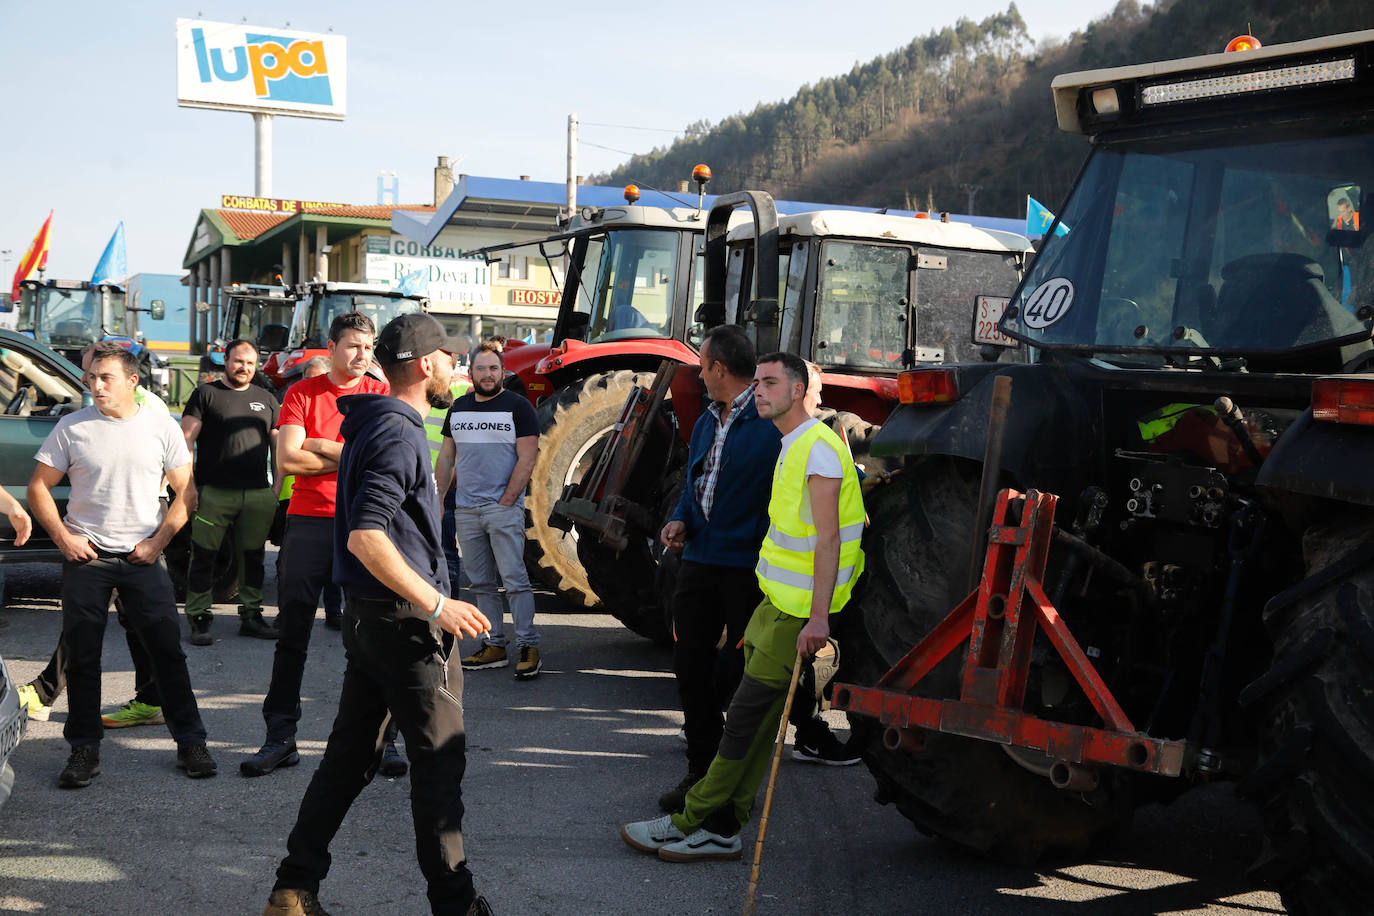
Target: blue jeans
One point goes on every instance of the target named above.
(448, 533)
(492, 538)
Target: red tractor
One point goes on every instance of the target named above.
(1142, 562)
(863, 295)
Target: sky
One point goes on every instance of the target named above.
(95, 133)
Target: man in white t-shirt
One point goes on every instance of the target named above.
(115, 455)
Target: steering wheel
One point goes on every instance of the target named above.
(1126, 316)
(18, 403)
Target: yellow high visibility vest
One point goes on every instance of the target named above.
(787, 560)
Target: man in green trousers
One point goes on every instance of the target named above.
(808, 564)
(232, 422)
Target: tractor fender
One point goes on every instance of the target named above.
(523, 361)
(1050, 434)
(1324, 460)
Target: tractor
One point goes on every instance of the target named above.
(1143, 561)
(258, 313)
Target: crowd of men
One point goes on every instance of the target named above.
(769, 525)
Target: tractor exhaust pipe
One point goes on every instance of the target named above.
(909, 740)
(1073, 777)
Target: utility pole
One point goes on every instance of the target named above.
(972, 191)
(572, 164)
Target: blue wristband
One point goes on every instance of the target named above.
(438, 608)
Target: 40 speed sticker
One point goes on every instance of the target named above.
(1048, 303)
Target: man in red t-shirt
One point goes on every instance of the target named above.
(308, 446)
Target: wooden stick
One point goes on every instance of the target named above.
(772, 779)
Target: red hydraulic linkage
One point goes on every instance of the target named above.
(1000, 619)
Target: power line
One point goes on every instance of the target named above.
(662, 130)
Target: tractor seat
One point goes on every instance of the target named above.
(1278, 300)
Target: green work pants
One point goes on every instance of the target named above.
(722, 800)
(250, 512)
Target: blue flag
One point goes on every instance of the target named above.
(1039, 218)
(113, 266)
(413, 283)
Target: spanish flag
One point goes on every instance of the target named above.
(36, 258)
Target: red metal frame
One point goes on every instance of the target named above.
(1000, 619)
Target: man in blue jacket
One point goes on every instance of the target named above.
(719, 524)
(398, 632)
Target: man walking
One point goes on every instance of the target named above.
(491, 437)
(309, 442)
(115, 455)
(807, 568)
(399, 628)
(234, 421)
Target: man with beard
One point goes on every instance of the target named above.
(399, 629)
(491, 437)
(807, 567)
(233, 421)
(309, 442)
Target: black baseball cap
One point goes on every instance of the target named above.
(411, 336)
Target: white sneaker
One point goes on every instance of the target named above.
(702, 846)
(651, 836)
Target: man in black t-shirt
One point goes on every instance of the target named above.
(233, 421)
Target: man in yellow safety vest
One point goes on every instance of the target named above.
(807, 567)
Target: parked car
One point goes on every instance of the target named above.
(37, 387)
(13, 722)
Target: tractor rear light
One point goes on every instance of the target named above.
(1328, 71)
(927, 386)
(1105, 101)
(1344, 400)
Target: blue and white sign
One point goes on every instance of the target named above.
(249, 68)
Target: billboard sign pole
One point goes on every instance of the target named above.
(263, 71)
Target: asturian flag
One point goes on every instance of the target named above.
(1039, 218)
(113, 265)
(36, 258)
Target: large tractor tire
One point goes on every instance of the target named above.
(973, 793)
(1315, 710)
(571, 424)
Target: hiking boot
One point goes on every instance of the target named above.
(200, 629)
(134, 713)
(529, 665)
(28, 698)
(702, 846)
(675, 799)
(651, 836)
(480, 907)
(290, 902)
(195, 759)
(82, 766)
(826, 750)
(253, 625)
(393, 764)
(271, 755)
(486, 657)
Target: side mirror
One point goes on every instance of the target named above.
(576, 327)
(158, 310)
(1343, 207)
(272, 337)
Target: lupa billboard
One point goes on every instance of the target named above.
(251, 68)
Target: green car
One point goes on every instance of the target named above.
(37, 387)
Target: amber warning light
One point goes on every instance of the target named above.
(1242, 43)
(702, 173)
(927, 386)
(631, 193)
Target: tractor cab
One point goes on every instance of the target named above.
(69, 315)
(259, 313)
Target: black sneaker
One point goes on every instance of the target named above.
(270, 756)
(675, 799)
(253, 625)
(82, 766)
(200, 629)
(480, 907)
(827, 751)
(393, 764)
(195, 759)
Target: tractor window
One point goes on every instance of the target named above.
(947, 298)
(381, 309)
(861, 305)
(635, 285)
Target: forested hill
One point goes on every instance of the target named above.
(963, 109)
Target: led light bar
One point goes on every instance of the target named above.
(1331, 71)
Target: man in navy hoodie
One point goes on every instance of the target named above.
(398, 632)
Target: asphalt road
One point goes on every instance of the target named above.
(554, 767)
